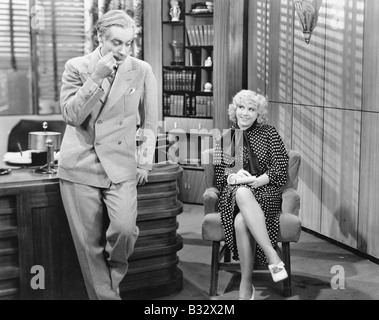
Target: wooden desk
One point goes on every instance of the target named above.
(34, 231)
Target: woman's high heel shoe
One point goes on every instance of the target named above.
(252, 295)
(278, 272)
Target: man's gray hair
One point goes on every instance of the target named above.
(114, 18)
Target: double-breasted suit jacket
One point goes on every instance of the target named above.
(99, 145)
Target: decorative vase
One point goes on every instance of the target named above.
(175, 10)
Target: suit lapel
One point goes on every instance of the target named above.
(106, 85)
(124, 77)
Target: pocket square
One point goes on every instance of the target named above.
(132, 90)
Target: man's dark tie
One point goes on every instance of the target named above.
(112, 75)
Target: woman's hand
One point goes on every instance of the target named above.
(260, 181)
(243, 173)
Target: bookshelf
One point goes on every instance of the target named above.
(187, 87)
(187, 65)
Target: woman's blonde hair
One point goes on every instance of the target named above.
(249, 98)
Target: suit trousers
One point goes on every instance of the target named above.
(103, 250)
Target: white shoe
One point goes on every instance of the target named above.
(252, 295)
(278, 272)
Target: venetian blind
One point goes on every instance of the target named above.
(61, 38)
(14, 58)
(14, 35)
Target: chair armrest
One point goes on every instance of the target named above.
(291, 201)
(210, 200)
(289, 228)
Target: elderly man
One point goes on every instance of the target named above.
(100, 166)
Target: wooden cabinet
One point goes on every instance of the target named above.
(34, 232)
(192, 185)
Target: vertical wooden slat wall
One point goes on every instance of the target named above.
(152, 38)
(368, 226)
(229, 59)
(221, 59)
(256, 53)
(342, 119)
(279, 27)
(308, 121)
(324, 102)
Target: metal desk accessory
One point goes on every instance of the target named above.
(45, 141)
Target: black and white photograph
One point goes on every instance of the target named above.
(183, 156)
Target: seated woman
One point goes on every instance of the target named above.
(250, 211)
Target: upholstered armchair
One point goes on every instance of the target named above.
(212, 230)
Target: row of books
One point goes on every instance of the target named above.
(190, 106)
(179, 80)
(200, 35)
(202, 7)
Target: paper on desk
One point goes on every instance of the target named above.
(26, 158)
(15, 157)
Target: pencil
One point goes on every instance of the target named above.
(19, 148)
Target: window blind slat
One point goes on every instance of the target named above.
(67, 30)
(69, 42)
(21, 33)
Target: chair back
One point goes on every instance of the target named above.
(208, 165)
(292, 170)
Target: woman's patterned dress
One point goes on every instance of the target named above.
(272, 156)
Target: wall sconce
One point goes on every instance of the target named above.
(307, 13)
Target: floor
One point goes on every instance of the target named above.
(320, 270)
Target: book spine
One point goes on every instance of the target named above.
(190, 40)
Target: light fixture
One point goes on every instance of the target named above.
(307, 13)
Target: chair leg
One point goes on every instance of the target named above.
(287, 283)
(227, 257)
(214, 268)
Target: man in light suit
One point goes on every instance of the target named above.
(100, 165)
